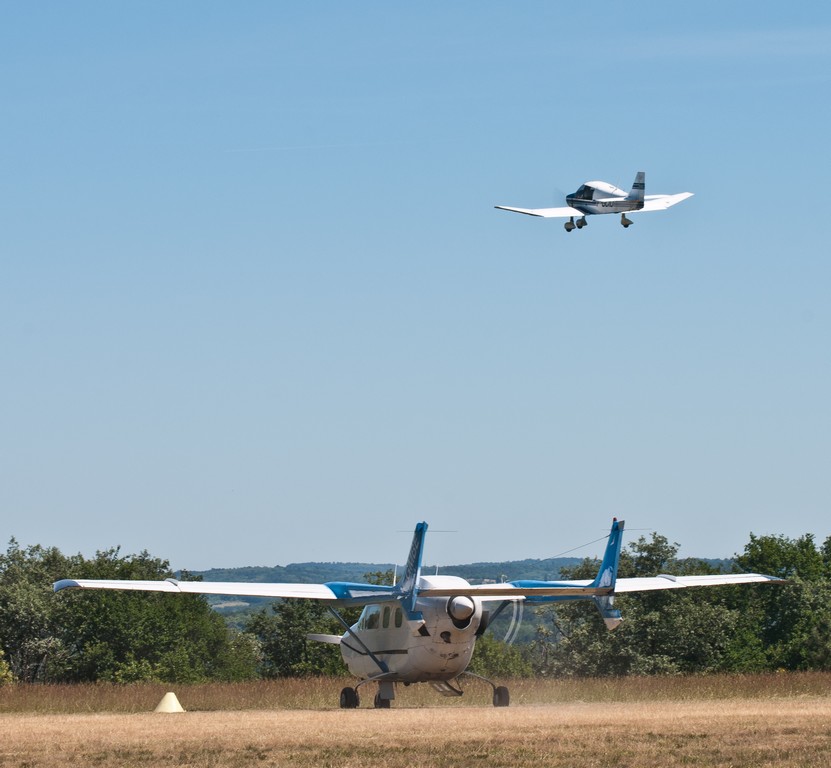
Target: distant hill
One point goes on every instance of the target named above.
(319, 573)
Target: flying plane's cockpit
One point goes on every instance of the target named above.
(584, 193)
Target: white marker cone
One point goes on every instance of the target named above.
(169, 703)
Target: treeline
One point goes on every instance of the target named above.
(737, 628)
(132, 636)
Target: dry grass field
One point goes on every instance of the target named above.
(770, 720)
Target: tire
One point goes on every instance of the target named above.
(381, 703)
(349, 698)
(501, 697)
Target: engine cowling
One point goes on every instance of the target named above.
(461, 610)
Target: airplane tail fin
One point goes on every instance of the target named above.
(607, 575)
(638, 188)
(408, 586)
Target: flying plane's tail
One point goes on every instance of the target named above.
(408, 586)
(638, 188)
(607, 575)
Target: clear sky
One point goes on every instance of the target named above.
(256, 306)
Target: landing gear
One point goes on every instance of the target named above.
(571, 224)
(386, 693)
(381, 703)
(501, 697)
(349, 699)
(624, 221)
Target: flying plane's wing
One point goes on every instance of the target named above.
(334, 591)
(546, 213)
(661, 202)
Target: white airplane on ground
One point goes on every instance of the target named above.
(596, 197)
(423, 630)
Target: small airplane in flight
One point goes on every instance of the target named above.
(423, 630)
(596, 197)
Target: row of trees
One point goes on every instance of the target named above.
(110, 636)
(125, 637)
(739, 628)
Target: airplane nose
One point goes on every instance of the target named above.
(460, 608)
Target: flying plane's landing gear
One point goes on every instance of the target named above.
(349, 699)
(624, 221)
(570, 225)
(581, 222)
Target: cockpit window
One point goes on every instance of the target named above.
(584, 193)
(378, 616)
(371, 617)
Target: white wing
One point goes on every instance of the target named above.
(556, 589)
(546, 213)
(358, 592)
(661, 202)
(664, 581)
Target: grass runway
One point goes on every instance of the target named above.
(780, 721)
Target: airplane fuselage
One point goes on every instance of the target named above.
(604, 205)
(425, 645)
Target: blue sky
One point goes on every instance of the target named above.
(256, 305)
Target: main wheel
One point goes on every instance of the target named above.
(501, 697)
(349, 698)
(381, 703)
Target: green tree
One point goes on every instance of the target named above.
(493, 658)
(282, 634)
(103, 635)
(788, 621)
(27, 610)
(6, 675)
(785, 558)
(662, 632)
